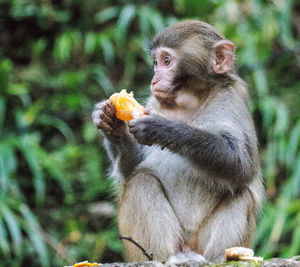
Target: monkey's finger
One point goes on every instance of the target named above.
(105, 127)
(106, 118)
(109, 111)
(116, 134)
(143, 141)
(147, 111)
(110, 107)
(132, 123)
(118, 125)
(106, 106)
(133, 130)
(153, 113)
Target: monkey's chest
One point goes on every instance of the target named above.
(182, 183)
(166, 164)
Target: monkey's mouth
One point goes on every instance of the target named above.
(166, 98)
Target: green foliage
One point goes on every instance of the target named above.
(58, 58)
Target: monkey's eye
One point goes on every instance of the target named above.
(167, 60)
(155, 62)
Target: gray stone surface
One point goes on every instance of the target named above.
(293, 262)
(275, 262)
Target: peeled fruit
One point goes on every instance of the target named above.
(86, 264)
(241, 254)
(127, 107)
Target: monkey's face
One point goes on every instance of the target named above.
(163, 84)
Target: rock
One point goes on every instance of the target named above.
(134, 264)
(275, 262)
(293, 262)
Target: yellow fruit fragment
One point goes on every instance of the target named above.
(127, 107)
(241, 254)
(86, 264)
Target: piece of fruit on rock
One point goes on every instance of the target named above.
(127, 107)
(86, 264)
(240, 254)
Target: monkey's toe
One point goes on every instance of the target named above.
(183, 257)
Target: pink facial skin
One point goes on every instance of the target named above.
(165, 66)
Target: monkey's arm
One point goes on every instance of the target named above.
(225, 156)
(125, 153)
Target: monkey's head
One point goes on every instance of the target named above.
(187, 53)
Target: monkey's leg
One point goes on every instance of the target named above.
(232, 224)
(146, 216)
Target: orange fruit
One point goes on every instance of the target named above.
(127, 107)
(86, 264)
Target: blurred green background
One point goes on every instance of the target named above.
(58, 58)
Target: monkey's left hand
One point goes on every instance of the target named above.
(147, 130)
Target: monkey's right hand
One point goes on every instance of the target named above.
(104, 117)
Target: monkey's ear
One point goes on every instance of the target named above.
(223, 56)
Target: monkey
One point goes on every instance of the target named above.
(189, 175)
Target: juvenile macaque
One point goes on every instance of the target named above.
(189, 172)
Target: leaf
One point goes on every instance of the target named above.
(130, 68)
(34, 234)
(38, 48)
(270, 164)
(125, 18)
(157, 21)
(63, 47)
(33, 111)
(293, 144)
(108, 48)
(4, 242)
(103, 81)
(263, 229)
(90, 43)
(260, 80)
(171, 20)
(282, 119)
(17, 89)
(266, 106)
(294, 248)
(2, 111)
(28, 148)
(89, 132)
(144, 20)
(4, 165)
(107, 14)
(279, 220)
(13, 227)
(6, 67)
(284, 19)
(295, 179)
(57, 123)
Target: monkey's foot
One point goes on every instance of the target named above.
(183, 257)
